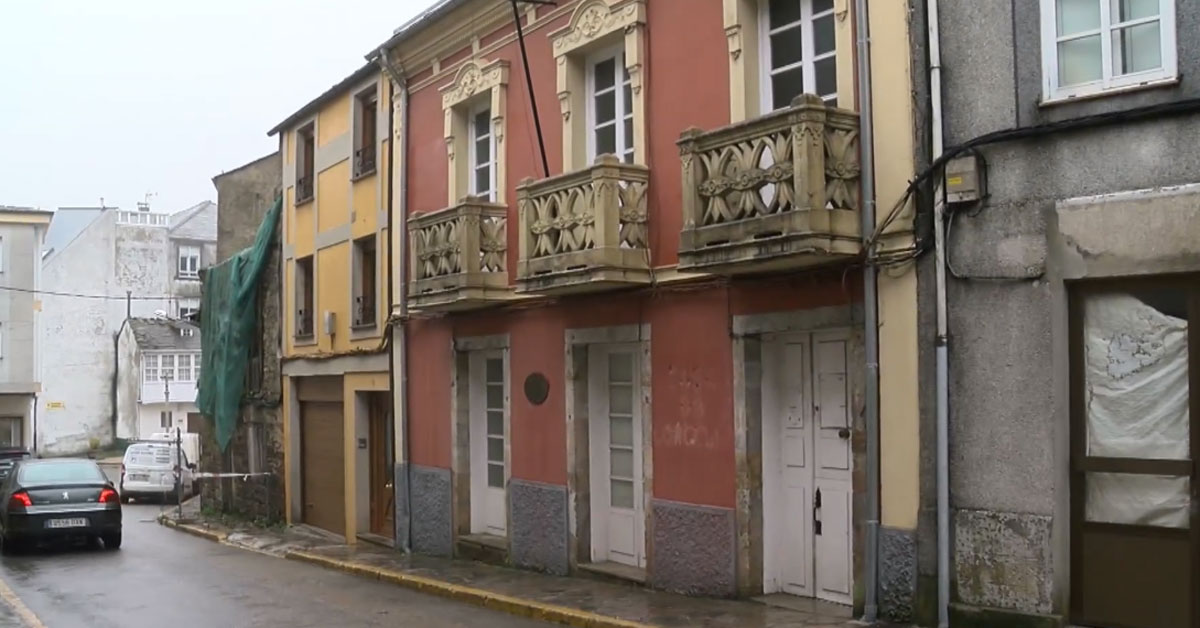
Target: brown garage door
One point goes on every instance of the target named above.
(322, 468)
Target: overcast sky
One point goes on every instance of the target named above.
(118, 98)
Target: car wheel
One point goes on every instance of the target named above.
(112, 541)
(9, 546)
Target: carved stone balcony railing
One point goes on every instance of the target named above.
(458, 257)
(776, 192)
(584, 230)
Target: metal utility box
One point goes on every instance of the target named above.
(965, 179)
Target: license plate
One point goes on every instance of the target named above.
(139, 477)
(67, 523)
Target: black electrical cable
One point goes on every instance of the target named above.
(1151, 112)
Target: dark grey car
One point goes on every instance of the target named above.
(59, 498)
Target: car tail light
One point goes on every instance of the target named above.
(20, 499)
(107, 495)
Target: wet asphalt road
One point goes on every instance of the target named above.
(163, 578)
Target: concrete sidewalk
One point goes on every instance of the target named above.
(573, 601)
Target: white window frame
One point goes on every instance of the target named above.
(196, 365)
(187, 306)
(183, 374)
(808, 58)
(166, 419)
(189, 261)
(163, 359)
(623, 110)
(150, 364)
(472, 152)
(1052, 91)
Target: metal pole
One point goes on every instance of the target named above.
(537, 121)
(870, 313)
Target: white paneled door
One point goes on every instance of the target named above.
(489, 418)
(615, 423)
(807, 487)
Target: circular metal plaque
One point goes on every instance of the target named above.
(537, 388)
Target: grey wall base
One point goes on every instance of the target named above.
(1002, 560)
(897, 573)
(431, 523)
(693, 549)
(403, 524)
(539, 526)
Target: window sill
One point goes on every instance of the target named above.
(1170, 81)
(306, 340)
(363, 175)
(366, 330)
(304, 201)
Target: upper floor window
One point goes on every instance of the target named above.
(150, 368)
(800, 45)
(366, 106)
(189, 261)
(188, 307)
(306, 161)
(610, 107)
(1090, 46)
(364, 285)
(304, 297)
(482, 146)
(475, 107)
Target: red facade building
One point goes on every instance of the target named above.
(647, 361)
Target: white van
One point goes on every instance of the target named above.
(189, 442)
(148, 471)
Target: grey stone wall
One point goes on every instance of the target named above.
(1012, 254)
(244, 196)
(539, 526)
(693, 549)
(432, 531)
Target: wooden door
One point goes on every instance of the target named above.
(1134, 551)
(322, 467)
(831, 469)
(381, 468)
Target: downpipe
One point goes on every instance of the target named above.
(870, 309)
(942, 346)
(399, 350)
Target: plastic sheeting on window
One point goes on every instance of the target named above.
(1149, 500)
(1136, 380)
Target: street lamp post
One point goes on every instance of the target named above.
(166, 377)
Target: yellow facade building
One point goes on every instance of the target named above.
(336, 256)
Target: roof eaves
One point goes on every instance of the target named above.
(416, 25)
(363, 72)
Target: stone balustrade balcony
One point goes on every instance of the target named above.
(777, 192)
(458, 257)
(585, 230)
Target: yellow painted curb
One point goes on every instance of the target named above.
(217, 537)
(481, 597)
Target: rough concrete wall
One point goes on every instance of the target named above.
(693, 549)
(539, 526)
(18, 329)
(1008, 393)
(431, 523)
(244, 196)
(129, 383)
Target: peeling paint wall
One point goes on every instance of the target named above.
(78, 335)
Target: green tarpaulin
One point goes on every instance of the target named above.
(227, 315)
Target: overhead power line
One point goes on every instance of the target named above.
(99, 297)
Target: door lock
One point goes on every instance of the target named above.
(844, 433)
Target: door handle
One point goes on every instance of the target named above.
(843, 433)
(816, 507)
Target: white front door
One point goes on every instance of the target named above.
(807, 486)
(615, 424)
(489, 422)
